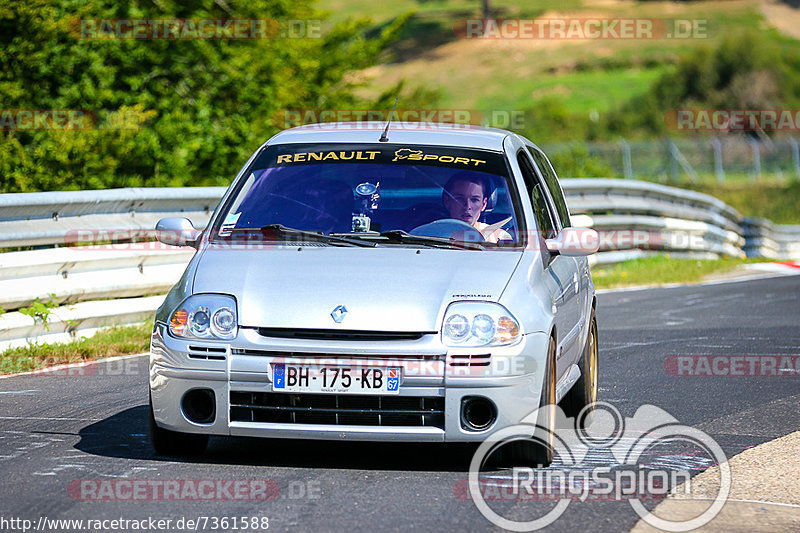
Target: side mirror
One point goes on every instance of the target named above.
(176, 231)
(574, 242)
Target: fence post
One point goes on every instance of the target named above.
(627, 169)
(756, 160)
(795, 157)
(718, 168)
(672, 162)
(678, 159)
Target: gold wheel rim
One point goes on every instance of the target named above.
(591, 364)
(551, 396)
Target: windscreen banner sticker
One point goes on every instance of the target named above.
(419, 155)
(341, 155)
(305, 154)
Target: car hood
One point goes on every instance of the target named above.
(383, 289)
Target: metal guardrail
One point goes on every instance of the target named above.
(56, 218)
(765, 239)
(674, 220)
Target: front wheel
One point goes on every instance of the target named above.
(538, 450)
(173, 443)
(580, 399)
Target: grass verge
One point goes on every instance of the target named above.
(107, 343)
(663, 269)
(767, 199)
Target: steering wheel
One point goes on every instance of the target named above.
(450, 228)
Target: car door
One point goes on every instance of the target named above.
(570, 347)
(560, 271)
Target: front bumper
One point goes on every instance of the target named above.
(433, 379)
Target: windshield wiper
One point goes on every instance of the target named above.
(282, 230)
(403, 237)
(279, 230)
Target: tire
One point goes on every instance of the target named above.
(173, 443)
(583, 394)
(534, 452)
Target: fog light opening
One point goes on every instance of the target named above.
(477, 413)
(199, 406)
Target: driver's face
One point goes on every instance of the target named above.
(465, 201)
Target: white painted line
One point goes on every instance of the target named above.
(753, 277)
(19, 391)
(732, 500)
(51, 418)
(51, 369)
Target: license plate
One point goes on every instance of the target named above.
(335, 379)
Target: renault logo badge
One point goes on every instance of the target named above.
(339, 313)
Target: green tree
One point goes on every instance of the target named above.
(196, 109)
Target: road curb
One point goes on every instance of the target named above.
(763, 493)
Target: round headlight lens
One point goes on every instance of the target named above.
(483, 328)
(224, 321)
(199, 321)
(456, 328)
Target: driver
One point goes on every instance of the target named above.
(465, 196)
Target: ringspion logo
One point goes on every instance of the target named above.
(628, 442)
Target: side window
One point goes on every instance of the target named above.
(552, 185)
(543, 218)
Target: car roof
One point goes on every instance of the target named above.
(412, 133)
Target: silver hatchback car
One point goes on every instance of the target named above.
(423, 285)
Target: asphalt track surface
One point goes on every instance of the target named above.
(58, 430)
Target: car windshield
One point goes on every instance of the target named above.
(366, 190)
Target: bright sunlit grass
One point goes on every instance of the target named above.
(663, 269)
(107, 343)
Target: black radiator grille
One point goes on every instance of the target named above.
(207, 352)
(334, 334)
(470, 359)
(337, 409)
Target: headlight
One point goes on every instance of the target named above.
(205, 316)
(470, 324)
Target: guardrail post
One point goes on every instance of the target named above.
(718, 168)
